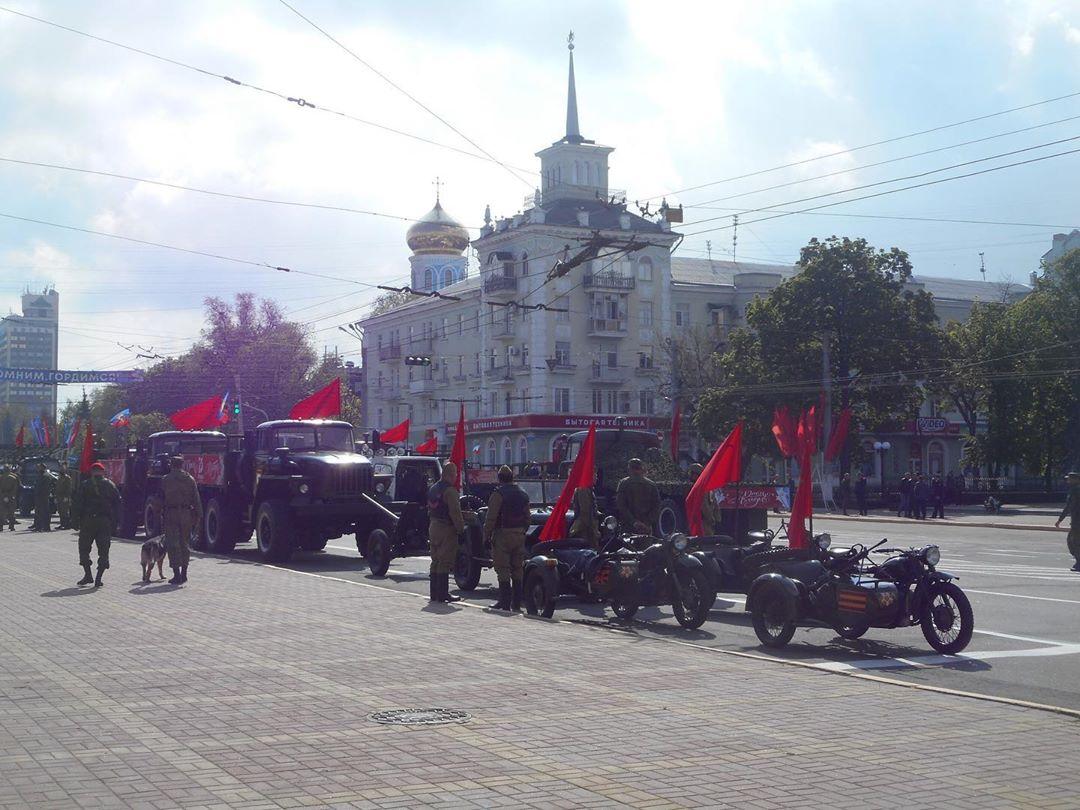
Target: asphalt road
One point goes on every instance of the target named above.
(1026, 602)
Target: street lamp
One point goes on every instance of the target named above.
(881, 448)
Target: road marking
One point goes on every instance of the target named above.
(928, 661)
(1025, 596)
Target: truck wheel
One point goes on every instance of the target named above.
(467, 567)
(198, 534)
(152, 524)
(274, 531)
(379, 552)
(127, 524)
(220, 526)
(671, 518)
(362, 545)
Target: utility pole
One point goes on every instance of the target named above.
(982, 265)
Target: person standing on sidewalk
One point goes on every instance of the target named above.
(937, 497)
(921, 494)
(507, 521)
(9, 497)
(904, 488)
(97, 507)
(43, 493)
(860, 493)
(64, 489)
(1072, 511)
(445, 525)
(182, 513)
(843, 493)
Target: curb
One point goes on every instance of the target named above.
(1031, 527)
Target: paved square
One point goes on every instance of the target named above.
(252, 687)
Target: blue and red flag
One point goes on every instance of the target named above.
(121, 419)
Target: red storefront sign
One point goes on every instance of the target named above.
(569, 422)
(750, 497)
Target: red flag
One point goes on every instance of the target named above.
(457, 452)
(803, 507)
(783, 429)
(20, 437)
(676, 423)
(808, 430)
(839, 434)
(723, 468)
(398, 433)
(428, 448)
(45, 430)
(201, 416)
(581, 475)
(87, 457)
(323, 403)
(74, 437)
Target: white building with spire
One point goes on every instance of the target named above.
(596, 351)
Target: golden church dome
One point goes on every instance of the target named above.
(437, 232)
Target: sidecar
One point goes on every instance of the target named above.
(571, 567)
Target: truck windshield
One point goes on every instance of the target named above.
(305, 437)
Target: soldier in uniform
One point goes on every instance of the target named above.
(507, 521)
(586, 523)
(9, 497)
(182, 513)
(445, 525)
(1072, 511)
(637, 500)
(64, 489)
(43, 490)
(97, 506)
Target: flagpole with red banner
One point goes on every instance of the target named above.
(323, 404)
(582, 474)
(87, 457)
(457, 452)
(724, 467)
(398, 434)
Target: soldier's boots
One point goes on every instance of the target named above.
(88, 578)
(183, 574)
(434, 593)
(515, 595)
(444, 590)
(97, 580)
(504, 597)
(175, 577)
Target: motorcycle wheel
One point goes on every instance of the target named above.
(692, 611)
(624, 610)
(852, 631)
(948, 620)
(771, 623)
(539, 601)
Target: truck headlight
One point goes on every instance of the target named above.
(932, 555)
(610, 523)
(680, 541)
(380, 488)
(304, 489)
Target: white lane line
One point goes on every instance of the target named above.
(1008, 554)
(1024, 596)
(1025, 638)
(928, 661)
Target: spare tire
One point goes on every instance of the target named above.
(672, 518)
(152, 516)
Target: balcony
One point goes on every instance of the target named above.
(520, 369)
(424, 387)
(384, 392)
(504, 330)
(608, 281)
(500, 375)
(649, 370)
(607, 375)
(563, 191)
(559, 367)
(607, 327)
(499, 286)
(392, 352)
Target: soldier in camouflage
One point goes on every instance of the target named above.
(445, 525)
(43, 493)
(9, 497)
(586, 524)
(507, 520)
(182, 513)
(64, 489)
(1072, 511)
(97, 507)
(637, 500)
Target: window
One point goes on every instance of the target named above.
(646, 402)
(461, 324)
(644, 269)
(524, 355)
(444, 325)
(493, 403)
(682, 316)
(507, 450)
(646, 314)
(509, 403)
(429, 280)
(478, 363)
(562, 353)
(562, 400)
(645, 357)
(611, 358)
(492, 458)
(524, 264)
(523, 450)
(935, 458)
(562, 302)
(597, 401)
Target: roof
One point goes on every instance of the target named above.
(274, 423)
(602, 215)
(717, 272)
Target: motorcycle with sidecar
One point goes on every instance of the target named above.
(841, 589)
(627, 572)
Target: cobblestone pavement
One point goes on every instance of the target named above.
(252, 687)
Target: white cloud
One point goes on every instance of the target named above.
(1025, 43)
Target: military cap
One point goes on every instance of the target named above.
(1073, 476)
(97, 465)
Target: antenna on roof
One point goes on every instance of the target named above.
(982, 265)
(734, 237)
(708, 249)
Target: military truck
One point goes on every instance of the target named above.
(295, 484)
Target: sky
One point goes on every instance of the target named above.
(690, 95)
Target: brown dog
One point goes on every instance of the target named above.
(153, 552)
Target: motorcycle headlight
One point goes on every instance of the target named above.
(610, 523)
(304, 488)
(680, 541)
(932, 555)
(823, 540)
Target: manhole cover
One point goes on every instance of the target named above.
(420, 717)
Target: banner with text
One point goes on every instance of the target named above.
(49, 376)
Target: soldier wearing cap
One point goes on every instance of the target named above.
(445, 525)
(1072, 511)
(586, 523)
(9, 497)
(97, 507)
(637, 500)
(43, 495)
(507, 521)
(710, 511)
(64, 489)
(183, 513)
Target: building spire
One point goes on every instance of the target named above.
(573, 132)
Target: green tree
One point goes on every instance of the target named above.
(388, 301)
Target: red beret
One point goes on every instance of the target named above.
(97, 465)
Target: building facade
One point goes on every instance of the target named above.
(596, 350)
(29, 340)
